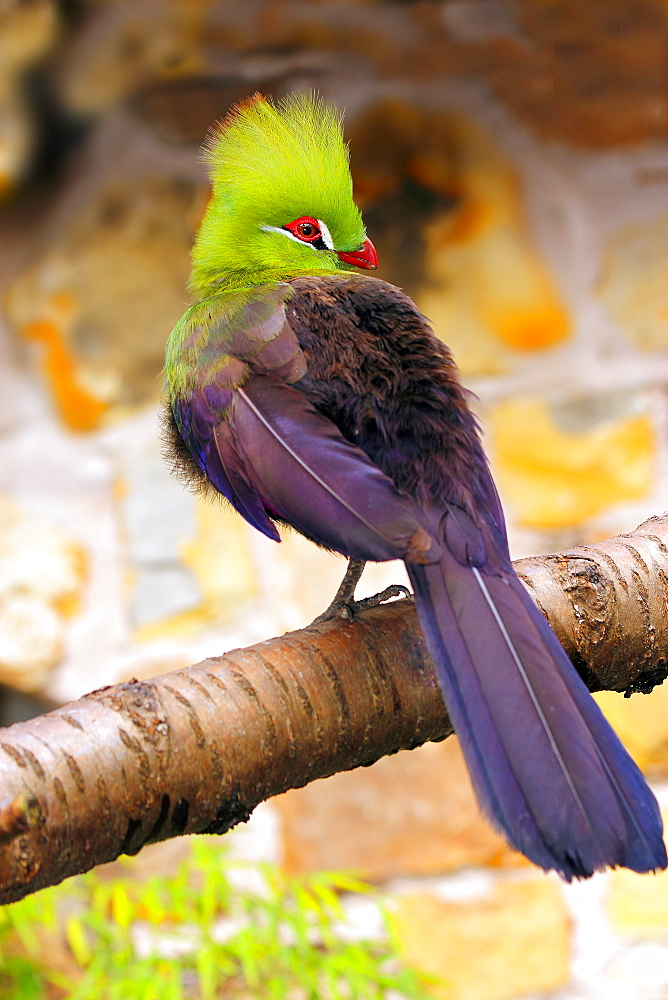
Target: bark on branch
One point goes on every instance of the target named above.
(196, 750)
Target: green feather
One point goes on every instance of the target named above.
(270, 164)
(198, 350)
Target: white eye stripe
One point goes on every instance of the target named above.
(283, 232)
(325, 233)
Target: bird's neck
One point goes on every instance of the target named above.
(206, 285)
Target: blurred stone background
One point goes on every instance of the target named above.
(511, 159)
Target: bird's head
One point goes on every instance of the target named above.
(282, 203)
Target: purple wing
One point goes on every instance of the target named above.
(281, 456)
(227, 342)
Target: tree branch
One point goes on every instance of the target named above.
(196, 750)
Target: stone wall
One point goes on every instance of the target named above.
(511, 159)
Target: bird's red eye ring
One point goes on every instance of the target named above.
(305, 229)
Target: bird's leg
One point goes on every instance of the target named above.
(344, 598)
(344, 604)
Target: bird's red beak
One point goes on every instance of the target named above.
(366, 257)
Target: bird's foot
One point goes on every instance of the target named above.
(344, 604)
(352, 608)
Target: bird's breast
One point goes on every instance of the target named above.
(377, 371)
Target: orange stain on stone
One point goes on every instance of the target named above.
(64, 302)
(79, 409)
(534, 329)
(513, 940)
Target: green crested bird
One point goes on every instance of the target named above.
(313, 396)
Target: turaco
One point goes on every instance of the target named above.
(310, 394)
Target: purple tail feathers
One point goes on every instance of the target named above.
(548, 769)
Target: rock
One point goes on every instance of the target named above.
(638, 904)
(42, 571)
(98, 300)
(590, 75)
(641, 722)
(27, 32)
(634, 282)
(514, 940)
(413, 813)
(464, 250)
(552, 476)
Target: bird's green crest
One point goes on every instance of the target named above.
(269, 165)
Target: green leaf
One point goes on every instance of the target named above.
(207, 973)
(77, 939)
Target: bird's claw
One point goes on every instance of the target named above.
(350, 609)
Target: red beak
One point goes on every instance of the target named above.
(366, 257)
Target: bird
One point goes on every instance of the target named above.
(311, 394)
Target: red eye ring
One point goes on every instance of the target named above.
(306, 229)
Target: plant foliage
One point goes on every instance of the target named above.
(194, 935)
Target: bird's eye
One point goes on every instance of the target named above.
(307, 231)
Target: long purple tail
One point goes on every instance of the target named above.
(547, 767)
